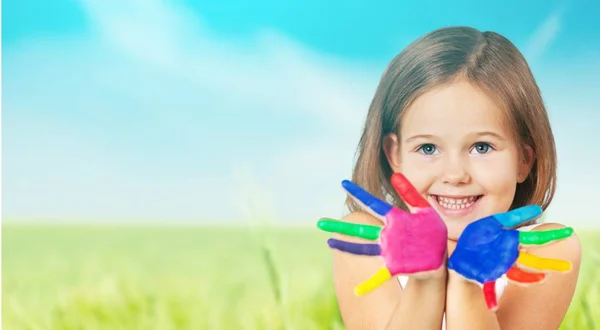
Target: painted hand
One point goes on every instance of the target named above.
(488, 249)
(410, 243)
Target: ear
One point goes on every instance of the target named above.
(526, 163)
(391, 147)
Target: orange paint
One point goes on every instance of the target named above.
(519, 275)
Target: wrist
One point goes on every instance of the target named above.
(459, 283)
(455, 277)
(436, 276)
(427, 284)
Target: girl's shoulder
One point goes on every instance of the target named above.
(349, 270)
(547, 303)
(568, 249)
(362, 217)
(545, 226)
(529, 227)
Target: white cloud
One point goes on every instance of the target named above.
(168, 38)
(130, 123)
(545, 34)
(136, 126)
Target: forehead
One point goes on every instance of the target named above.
(453, 109)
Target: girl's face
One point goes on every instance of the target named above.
(459, 154)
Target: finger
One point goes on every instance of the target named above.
(489, 293)
(543, 237)
(407, 191)
(363, 231)
(380, 277)
(518, 275)
(355, 248)
(518, 216)
(539, 263)
(374, 204)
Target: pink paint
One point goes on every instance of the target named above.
(413, 242)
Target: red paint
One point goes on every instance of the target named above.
(519, 275)
(489, 292)
(408, 192)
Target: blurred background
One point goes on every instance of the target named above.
(164, 162)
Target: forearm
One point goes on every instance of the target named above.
(421, 305)
(465, 306)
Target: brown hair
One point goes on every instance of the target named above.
(489, 62)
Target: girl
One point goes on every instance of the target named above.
(460, 115)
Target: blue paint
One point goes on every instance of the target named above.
(485, 251)
(378, 206)
(519, 216)
(355, 248)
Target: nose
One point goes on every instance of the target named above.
(455, 172)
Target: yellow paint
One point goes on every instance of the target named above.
(382, 275)
(539, 263)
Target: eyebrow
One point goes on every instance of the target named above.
(420, 136)
(492, 134)
(429, 136)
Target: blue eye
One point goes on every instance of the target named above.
(427, 149)
(482, 147)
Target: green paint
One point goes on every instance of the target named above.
(543, 237)
(363, 231)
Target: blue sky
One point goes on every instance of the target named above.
(202, 111)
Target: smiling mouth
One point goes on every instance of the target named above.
(456, 205)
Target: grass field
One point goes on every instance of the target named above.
(182, 278)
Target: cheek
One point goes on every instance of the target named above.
(418, 175)
(499, 181)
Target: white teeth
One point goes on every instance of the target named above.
(456, 203)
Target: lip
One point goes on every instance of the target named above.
(454, 213)
(455, 196)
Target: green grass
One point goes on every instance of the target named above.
(181, 278)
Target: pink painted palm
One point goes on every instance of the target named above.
(410, 243)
